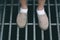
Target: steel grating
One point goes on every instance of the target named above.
(10, 31)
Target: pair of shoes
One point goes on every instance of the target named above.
(22, 20)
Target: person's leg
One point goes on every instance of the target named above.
(23, 3)
(42, 17)
(41, 4)
(22, 15)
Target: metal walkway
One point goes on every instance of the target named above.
(10, 31)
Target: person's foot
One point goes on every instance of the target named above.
(43, 21)
(22, 19)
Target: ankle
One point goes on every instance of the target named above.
(40, 12)
(40, 8)
(23, 10)
(24, 7)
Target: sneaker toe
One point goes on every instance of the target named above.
(21, 20)
(43, 22)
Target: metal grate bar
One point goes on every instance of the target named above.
(57, 19)
(17, 33)
(26, 32)
(18, 28)
(27, 24)
(9, 38)
(28, 4)
(2, 27)
(34, 28)
(49, 21)
(42, 32)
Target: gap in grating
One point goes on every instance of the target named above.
(58, 1)
(5, 32)
(30, 32)
(38, 33)
(36, 18)
(22, 34)
(15, 1)
(8, 1)
(52, 1)
(1, 1)
(13, 32)
(59, 13)
(47, 34)
(53, 14)
(7, 14)
(54, 32)
(14, 14)
(30, 1)
(1, 11)
(30, 14)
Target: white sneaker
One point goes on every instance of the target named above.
(22, 18)
(43, 21)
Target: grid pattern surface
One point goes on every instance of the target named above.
(10, 31)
